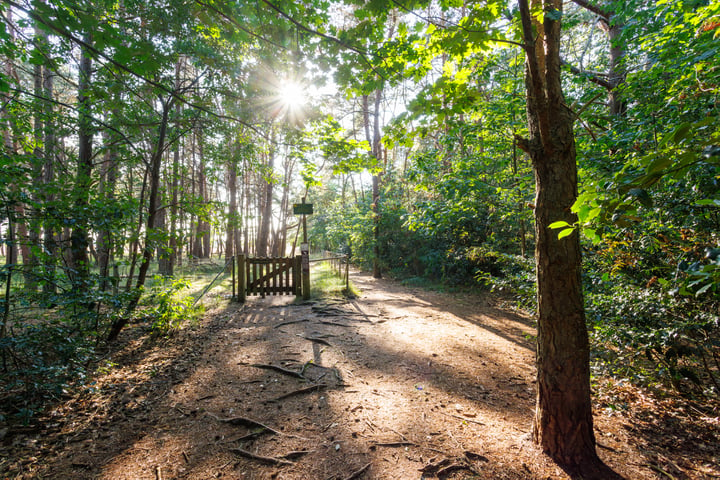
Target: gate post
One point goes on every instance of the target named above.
(296, 277)
(241, 278)
(305, 251)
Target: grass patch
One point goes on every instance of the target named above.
(324, 282)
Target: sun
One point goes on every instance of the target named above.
(292, 95)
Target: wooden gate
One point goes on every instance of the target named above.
(268, 276)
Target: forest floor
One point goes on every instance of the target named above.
(400, 383)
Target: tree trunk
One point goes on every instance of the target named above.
(613, 28)
(563, 424)
(153, 208)
(31, 262)
(79, 238)
(175, 255)
(232, 221)
(374, 142)
(266, 205)
(50, 246)
(616, 70)
(108, 180)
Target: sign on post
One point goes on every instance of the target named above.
(302, 208)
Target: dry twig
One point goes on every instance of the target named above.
(260, 458)
(462, 418)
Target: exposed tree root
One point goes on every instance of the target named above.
(435, 466)
(261, 458)
(443, 472)
(296, 454)
(357, 473)
(284, 371)
(336, 324)
(318, 340)
(312, 388)
(291, 322)
(244, 422)
(476, 456)
(402, 443)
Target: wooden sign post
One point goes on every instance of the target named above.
(304, 209)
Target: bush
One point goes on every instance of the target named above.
(654, 338)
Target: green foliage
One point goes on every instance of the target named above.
(168, 309)
(653, 338)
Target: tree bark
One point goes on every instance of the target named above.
(108, 180)
(374, 142)
(232, 220)
(79, 239)
(266, 206)
(49, 286)
(563, 424)
(153, 208)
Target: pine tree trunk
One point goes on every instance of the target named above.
(50, 246)
(232, 221)
(153, 209)
(108, 180)
(563, 424)
(79, 238)
(266, 207)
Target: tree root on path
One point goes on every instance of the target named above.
(299, 392)
(244, 422)
(291, 322)
(318, 340)
(284, 371)
(444, 467)
(357, 473)
(261, 458)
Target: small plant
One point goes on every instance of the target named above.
(171, 309)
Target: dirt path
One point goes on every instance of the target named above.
(397, 384)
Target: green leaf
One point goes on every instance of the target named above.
(592, 235)
(658, 165)
(682, 132)
(565, 233)
(704, 289)
(559, 224)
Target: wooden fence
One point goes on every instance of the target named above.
(267, 276)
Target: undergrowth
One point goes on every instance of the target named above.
(49, 349)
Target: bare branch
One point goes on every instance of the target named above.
(592, 76)
(594, 9)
